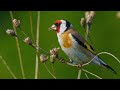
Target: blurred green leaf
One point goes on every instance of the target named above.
(105, 34)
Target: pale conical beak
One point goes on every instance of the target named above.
(53, 27)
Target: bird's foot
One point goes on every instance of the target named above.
(79, 66)
(62, 60)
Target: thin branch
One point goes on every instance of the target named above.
(18, 47)
(49, 71)
(92, 74)
(8, 68)
(31, 26)
(87, 32)
(53, 68)
(23, 32)
(91, 42)
(108, 54)
(37, 43)
(79, 74)
(93, 59)
(86, 76)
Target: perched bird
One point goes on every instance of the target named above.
(75, 46)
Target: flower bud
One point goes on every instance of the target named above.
(43, 58)
(89, 16)
(52, 58)
(28, 41)
(83, 22)
(89, 19)
(54, 51)
(86, 14)
(92, 13)
(16, 22)
(11, 32)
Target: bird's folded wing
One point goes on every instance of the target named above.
(82, 41)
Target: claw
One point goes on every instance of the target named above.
(62, 60)
(79, 66)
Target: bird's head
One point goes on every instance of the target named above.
(61, 26)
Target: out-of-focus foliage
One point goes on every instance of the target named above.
(105, 34)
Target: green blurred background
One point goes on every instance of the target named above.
(105, 34)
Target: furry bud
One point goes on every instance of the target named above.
(83, 22)
(11, 32)
(52, 58)
(16, 22)
(89, 16)
(28, 41)
(54, 51)
(86, 14)
(43, 58)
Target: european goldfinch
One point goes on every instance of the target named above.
(75, 46)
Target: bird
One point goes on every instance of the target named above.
(75, 46)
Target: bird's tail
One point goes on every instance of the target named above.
(103, 64)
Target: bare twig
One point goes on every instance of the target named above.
(23, 32)
(53, 68)
(86, 23)
(18, 47)
(86, 76)
(8, 68)
(92, 74)
(108, 54)
(49, 71)
(31, 26)
(37, 43)
(79, 74)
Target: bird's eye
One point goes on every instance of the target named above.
(57, 24)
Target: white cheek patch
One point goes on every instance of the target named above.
(63, 26)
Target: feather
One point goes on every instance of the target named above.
(82, 42)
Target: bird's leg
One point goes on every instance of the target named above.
(61, 59)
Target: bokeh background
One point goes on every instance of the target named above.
(105, 34)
